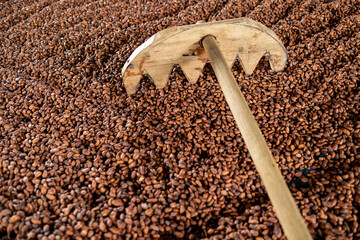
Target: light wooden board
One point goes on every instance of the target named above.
(243, 38)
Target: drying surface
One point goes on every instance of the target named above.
(81, 158)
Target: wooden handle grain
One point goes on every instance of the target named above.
(279, 194)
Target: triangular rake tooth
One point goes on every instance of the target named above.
(250, 61)
(159, 74)
(192, 70)
(278, 61)
(131, 82)
(230, 58)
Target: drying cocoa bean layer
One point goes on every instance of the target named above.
(81, 159)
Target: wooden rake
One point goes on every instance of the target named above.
(190, 46)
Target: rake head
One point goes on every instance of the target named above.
(243, 38)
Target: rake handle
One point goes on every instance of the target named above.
(279, 194)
